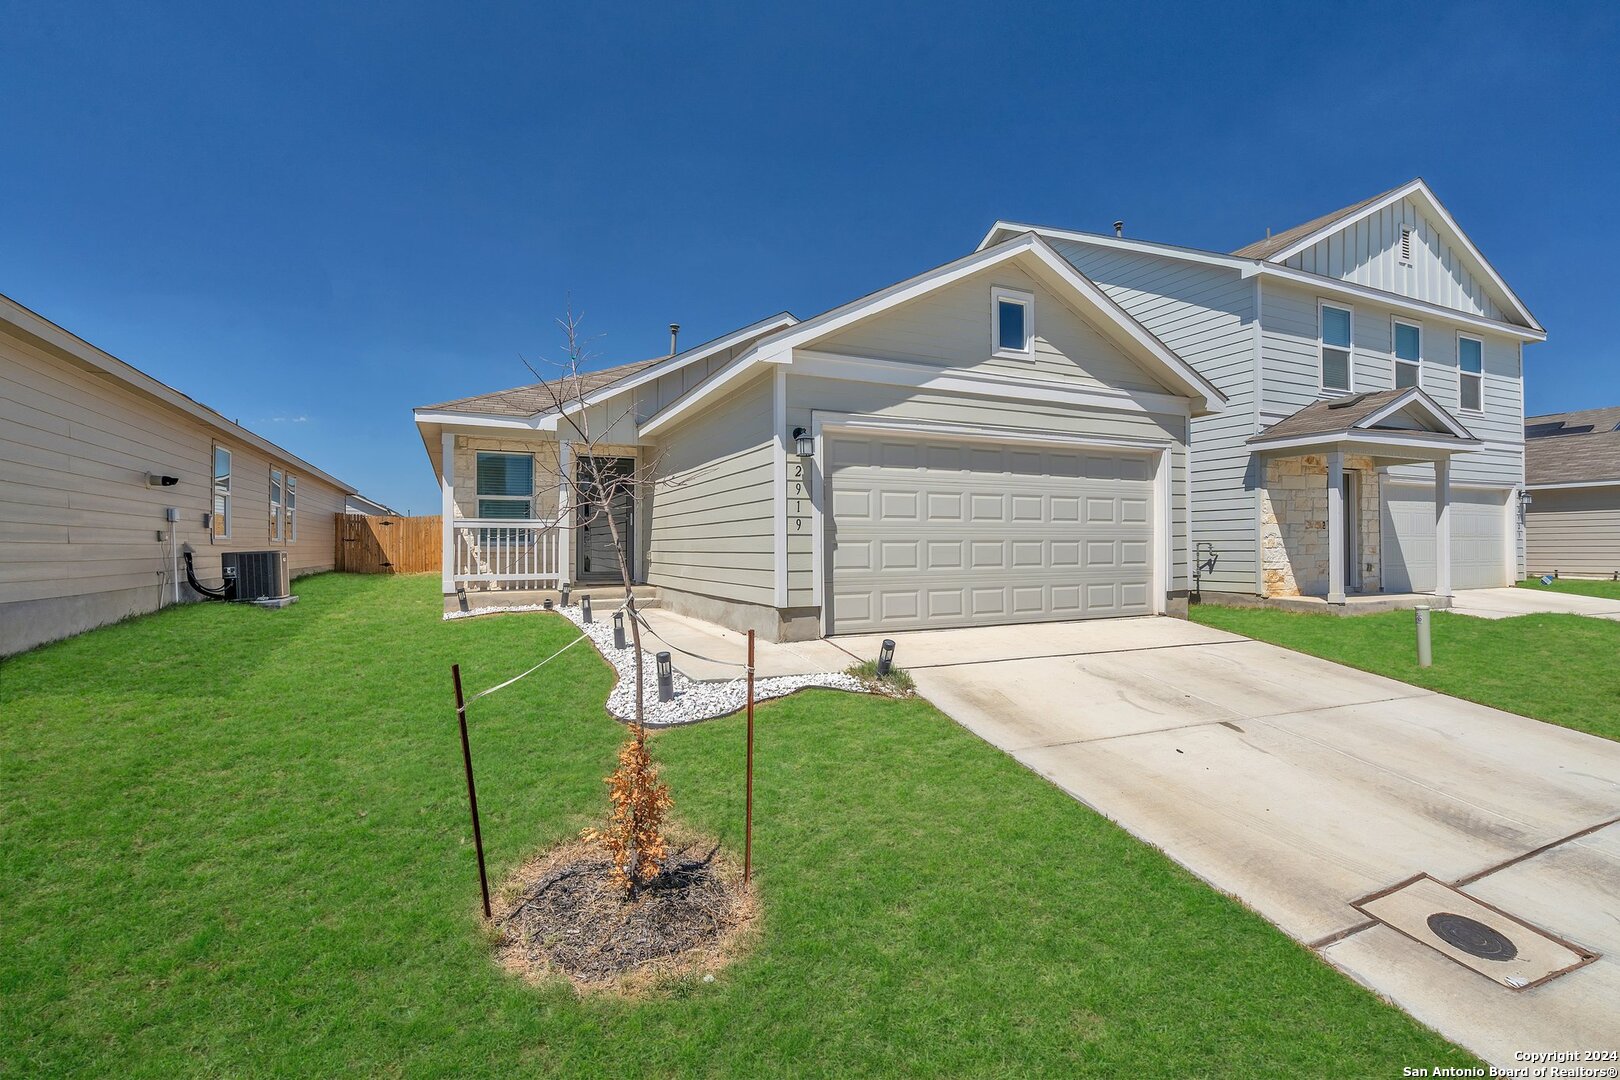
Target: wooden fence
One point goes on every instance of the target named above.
(388, 545)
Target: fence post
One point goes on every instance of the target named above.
(748, 794)
(472, 792)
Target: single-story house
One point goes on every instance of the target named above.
(1572, 465)
(106, 474)
(992, 441)
(359, 504)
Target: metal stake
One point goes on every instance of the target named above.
(748, 796)
(1424, 655)
(472, 792)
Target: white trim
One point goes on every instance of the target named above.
(278, 477)
(1164, 571)
(1359, 438)
(1461, 374)
(817, 485)
(216, 448)
(1336, 527)
(1572, 485)
(698, 394)
(1147, 247)
(1456, 485)
(1025, 300)
(1415, 395)
(870, 369)
(980, 433)
(1322, 346)
(565, 516)
(1395, 322)
(779, 493)
(447, 510)
(1259, 414)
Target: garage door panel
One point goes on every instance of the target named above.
(1478, 539)
(979, 534)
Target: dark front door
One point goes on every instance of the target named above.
(605, 487)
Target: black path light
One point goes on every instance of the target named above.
(546, 603)
(565, 590)
(885, 657)
(585, 608)
(618, 629)
(666, 676)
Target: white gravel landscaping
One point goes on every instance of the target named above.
(693, 700)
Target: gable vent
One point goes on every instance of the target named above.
(1406, 245)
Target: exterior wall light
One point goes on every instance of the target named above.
(885, 657)
(666, 676)
(804, 444)
(618, 629)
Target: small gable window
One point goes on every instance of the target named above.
(1470, 374)
(1408, 353)
(1012, 331)
(1335, 331)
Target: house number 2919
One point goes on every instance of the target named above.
(797, 522)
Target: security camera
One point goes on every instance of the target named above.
(156, 480)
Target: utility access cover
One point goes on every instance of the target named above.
(1506, 950)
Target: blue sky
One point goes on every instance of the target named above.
(315, 218)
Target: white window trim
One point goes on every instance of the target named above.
(479, 497)
(1322, 347)
(289, 506)
(998, 296)
(277, 504)
(214, 533)
(1395, 359)
(1461, 374)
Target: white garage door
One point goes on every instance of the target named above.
(1478, 538)
(927, 534)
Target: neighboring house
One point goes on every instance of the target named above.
(93, 457)
(359, 504)
(1006, 438)
(1572, 522)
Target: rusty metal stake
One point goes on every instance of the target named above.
(472, 792)
(748, 797)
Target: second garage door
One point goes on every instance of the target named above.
(1478, 538)
(926, 534)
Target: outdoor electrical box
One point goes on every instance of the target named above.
(172, 514)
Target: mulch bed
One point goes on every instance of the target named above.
(563, 913)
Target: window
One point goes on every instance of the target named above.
(1470, 374)
(1335, 324)
(222, 493)
(1408, 355)
(1406, 245)
(290, 494)
(275, 504)
(505, 485)
(1013, 332)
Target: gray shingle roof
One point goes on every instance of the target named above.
(1340, 415)
(1571, 459)
(538, 397)
(1265, 249)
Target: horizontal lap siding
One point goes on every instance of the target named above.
(1575, 532)
(1205, 314)
(712, 506)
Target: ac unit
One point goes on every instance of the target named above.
(256, 575)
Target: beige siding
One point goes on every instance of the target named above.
(78, 524)
(1574, 532)
(711, 507)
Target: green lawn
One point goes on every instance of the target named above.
(235, 842)
(1608, 590)
(1557, 668)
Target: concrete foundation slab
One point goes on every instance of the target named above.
(1507, 603)
(703, 651)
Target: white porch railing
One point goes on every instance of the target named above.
(507, 552)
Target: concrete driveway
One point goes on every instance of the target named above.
(1506, 603)
(1300, 786)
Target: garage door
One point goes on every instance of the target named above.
(924, 534)
(1478, 538)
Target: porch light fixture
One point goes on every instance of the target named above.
(885, 657)
(804, 444)
(618, 629)
(585, 608)
(666, 676)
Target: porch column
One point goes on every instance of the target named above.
(447, 510)
(565, 533)
(1335, 526)
(1442, 527)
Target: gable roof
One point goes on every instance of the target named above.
(1361, 418)
(1265, 249)
(1572, 448)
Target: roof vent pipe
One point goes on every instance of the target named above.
(674, 332)
(1119, 228)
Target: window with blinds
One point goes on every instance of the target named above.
(505, 485)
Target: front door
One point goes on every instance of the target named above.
(605, 486)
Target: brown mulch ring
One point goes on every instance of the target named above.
(562, 913)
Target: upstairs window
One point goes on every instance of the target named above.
(1408, 353)
(222, 493)
(505, 485)
(1335, 336)
(1012, 332)
(1470, 374)
(275, 504)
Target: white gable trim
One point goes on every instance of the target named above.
(1420, 192)
(1415, 396)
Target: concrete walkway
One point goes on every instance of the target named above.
(1300, 786)
(703, 651)
(1506, 603)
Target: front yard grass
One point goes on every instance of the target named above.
(1557, 668)
(1607, 590)
(235, 842)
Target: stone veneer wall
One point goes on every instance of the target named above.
(1293, 526)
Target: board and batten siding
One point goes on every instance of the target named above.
(809, 395)
(1205, 314)
(79, 526)
(1368, 252)
(712, 502)
(1575, 532)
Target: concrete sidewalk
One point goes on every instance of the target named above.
(1507, 603)
(703, 651)
(1301, 786)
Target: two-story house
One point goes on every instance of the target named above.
(1058, 425)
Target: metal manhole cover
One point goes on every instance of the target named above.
(1472, 936)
